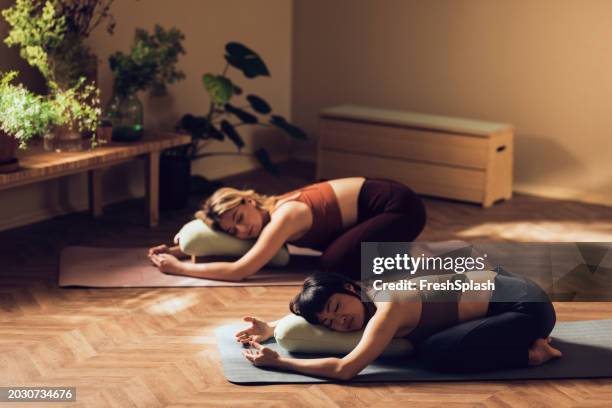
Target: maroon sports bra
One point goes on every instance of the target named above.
(326, 217)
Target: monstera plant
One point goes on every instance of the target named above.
(230, 109)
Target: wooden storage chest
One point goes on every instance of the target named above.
(439, 156)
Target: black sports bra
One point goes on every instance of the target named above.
(440, 309)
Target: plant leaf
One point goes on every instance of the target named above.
(243, 115)
(238, 50)
(231, 132)
(215, 133)
(263, 158)
(219, 88)
(259, 105)
(200, 128)
(246, 60)
(292, 130)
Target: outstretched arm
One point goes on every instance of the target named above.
(378, 334)
(165, 249)
(272, 238)
(259, 331)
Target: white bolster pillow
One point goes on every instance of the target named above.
(296, 335)
(198, 239)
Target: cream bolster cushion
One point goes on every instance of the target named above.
(198, 239)
(295, 334)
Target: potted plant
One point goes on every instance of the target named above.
(76, 111)
(221, 121)
(23, 115)
(149, 66)
(51, 36)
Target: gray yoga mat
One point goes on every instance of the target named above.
(586, 347)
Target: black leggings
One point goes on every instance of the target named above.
(498, 341)
(387, 211)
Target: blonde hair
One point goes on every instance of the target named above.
(226, 198)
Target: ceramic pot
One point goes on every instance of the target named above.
(8, 153)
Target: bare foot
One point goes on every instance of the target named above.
(541, 351)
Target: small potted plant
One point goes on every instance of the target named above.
(23, 115)
(149, 66)
(222, 120)
(76, 111)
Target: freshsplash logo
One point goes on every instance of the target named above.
(412, 264)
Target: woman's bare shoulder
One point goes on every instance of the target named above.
(290, 210)
(294, 214)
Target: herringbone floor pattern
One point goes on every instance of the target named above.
(155, 347)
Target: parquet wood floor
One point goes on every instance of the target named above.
(155, 347)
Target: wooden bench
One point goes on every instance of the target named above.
(439, 156)
(39, 165)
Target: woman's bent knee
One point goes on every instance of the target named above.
(545, 315)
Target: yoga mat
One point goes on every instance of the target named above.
(131, 268)
(586, 347)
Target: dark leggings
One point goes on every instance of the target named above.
(500, 340)
(387, 211)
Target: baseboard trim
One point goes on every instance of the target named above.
(47, 213)
(562, 193)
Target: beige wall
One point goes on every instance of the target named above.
(264, 25)
(545, 66)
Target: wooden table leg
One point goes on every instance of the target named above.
(152, 187)
(94, 178)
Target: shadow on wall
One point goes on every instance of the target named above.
(165, 111)
(560, 162)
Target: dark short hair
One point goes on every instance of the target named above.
(316, 291)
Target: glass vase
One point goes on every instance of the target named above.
(63, 138)
(126, 115)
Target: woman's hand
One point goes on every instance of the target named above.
(259, 331)
(160, 249)
(261, 356)
(167, 263)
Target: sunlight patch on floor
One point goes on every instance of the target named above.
(542, 231)
(173, 304)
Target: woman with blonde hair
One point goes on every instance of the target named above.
(334, 217)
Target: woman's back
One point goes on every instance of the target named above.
(428, 310)
(333, 208)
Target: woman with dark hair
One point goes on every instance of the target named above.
(334, 217)
(451, 330)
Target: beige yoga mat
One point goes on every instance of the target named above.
(131, 268)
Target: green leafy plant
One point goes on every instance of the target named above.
(25, 115)
(51, 34)
(150, 64)
(78, 108)
(224, 117)
(37, 30)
